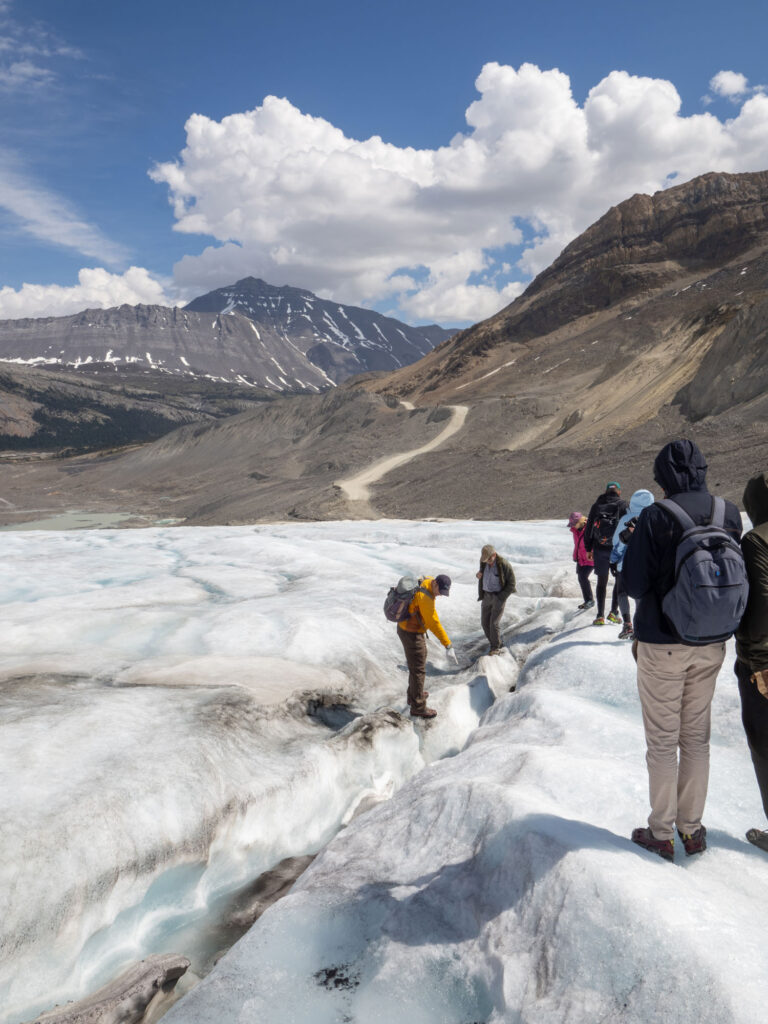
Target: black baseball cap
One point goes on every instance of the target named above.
(443, 584)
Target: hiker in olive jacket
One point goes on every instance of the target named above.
(752, 642)
(495, 582)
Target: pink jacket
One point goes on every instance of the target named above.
(580, 553)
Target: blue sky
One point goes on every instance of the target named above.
(503, 129)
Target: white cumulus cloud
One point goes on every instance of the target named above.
(289, 197)
(96, 289)
(729, 83)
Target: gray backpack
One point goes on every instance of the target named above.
(707, 600)
(400, 596)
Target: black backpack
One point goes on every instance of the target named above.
(604, 523)
(400, 596)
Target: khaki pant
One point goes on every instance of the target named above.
(676, 685)
(415, 647)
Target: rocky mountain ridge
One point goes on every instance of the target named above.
(637, 249)
(338, 340)
(284, 340)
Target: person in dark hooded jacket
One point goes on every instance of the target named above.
(676, 681)
(752, 642)
(598, 540)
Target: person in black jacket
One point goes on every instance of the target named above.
(598, 538)
(675, 680)
(752, 642)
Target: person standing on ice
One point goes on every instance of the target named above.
(422, 616)
(752, 642)
(598, 539)
(583, 558)
(675, 680)
(640, 499)
(495, 582)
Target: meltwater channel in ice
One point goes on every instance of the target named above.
(181, 709)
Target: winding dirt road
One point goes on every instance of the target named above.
(356, 488)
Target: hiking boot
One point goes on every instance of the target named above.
(426, 694)
(426, 713)
(599, 621)
(694, 842)
(586, 604)
(496, 650)
(758, 838)
(627, 632)
(613, 617)
(663, 847)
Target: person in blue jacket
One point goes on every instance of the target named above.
(640, 499)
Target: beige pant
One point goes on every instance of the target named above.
(676, 685)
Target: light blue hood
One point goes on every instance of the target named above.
(640, 499)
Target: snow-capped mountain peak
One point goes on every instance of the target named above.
(281, 339)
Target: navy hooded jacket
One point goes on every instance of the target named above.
(649, 561)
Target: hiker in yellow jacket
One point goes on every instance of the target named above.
(422, 616)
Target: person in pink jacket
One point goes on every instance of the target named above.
(583, 558)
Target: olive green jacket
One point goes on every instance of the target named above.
(506, 579)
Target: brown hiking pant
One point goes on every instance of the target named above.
(492, 609)
(415, 647)
(676, 684)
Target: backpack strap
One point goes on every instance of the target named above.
(717, 516)
(677, 512)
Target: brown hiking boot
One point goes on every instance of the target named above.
(426, 713)
(663, 847)
(694, 842)
(758, 838)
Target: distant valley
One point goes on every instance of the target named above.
(652, 324)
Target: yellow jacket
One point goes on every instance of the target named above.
(422, 614)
